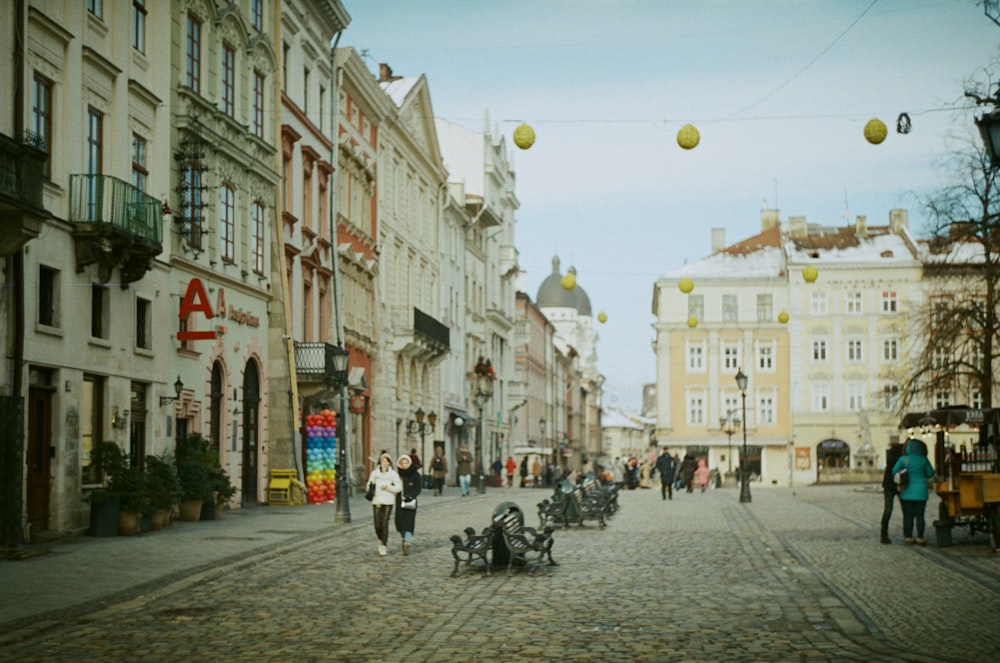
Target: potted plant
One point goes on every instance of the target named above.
(192, 462)
(103, 504)
(123, 482)
(222, 488)
(164, 489)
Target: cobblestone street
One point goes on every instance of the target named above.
(796, 575)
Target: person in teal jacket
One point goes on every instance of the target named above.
(914, 495)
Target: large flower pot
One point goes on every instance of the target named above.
(157, 520)
(128, 523)
(104, 518)
(190, 510)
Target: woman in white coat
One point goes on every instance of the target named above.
(387, 484)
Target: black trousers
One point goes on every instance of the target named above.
(667, 489)
(890, 497)
(382, 514)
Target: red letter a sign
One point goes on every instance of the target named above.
(195, 301)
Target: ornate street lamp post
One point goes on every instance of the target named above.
(420, 426)
(484, 392)
(729, 425)
(741, 382)
(337, 377)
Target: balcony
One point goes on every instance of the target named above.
(22, 171)
(314, 362)
(115, 225)
(419, 335)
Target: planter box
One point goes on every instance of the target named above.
(104, 518)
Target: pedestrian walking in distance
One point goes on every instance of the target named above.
(511, 467)
(702, 473)
(387, 486)
(406, 500)
(914, 495)
(688, 467)
(439, 469)
(464, 469)
(889, 491)
(665, 467)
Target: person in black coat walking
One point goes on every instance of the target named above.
(666, 468)
(889, 489)
(688, 466)
(406, 516)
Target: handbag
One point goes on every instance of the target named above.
(902, 478)
(370, 493)
(408, 503)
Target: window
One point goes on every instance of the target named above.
(48, 293)
(855, 350)
(765, 308)
(890, 350)
(191, 205)
(819, 350)
(41, 118)
(258, 104)
(322, 102)
(228, 79)
(890, 398)
(91, 426)
(96, 7)
(99, 321)
(139, 172)
(257, 14)
(285, 52)
(257, 237)
(226, 222)
(695, 358)
(765, 409)
(143, 323)
(854, 302)
(696, 409)
(139, 25)
(765, 356)
(977, 357)
(696, 306)
(305, 90)
(193, 53)
(976, 401)
(941, 311)
(856, 396)
(942, 358)
(731, 357)
(820, 397)
(942, 399)
(95, 138)
(817, 303)
(889, 303)
(730, 308)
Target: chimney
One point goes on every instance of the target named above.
(861, 225)
(385, 73)
(718, 239)
(898, 219)
(769, 218)
(797, 227)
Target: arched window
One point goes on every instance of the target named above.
(227, 220)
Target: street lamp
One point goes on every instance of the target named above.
(729, 425)
(336, 375)
(484, 392)
(419, 426)
(178, 388)
(741, 382)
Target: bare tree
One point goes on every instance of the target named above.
(956, 331)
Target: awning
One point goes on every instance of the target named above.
(948, 417)
(524, 451)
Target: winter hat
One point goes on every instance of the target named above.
(406, 457)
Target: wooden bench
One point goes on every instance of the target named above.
(525, 544)
(473, 546)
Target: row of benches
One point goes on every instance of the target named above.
(505, 541)
(588, 500)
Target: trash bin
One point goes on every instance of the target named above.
(501, 553)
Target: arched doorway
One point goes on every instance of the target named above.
(833, 454)
(251, 408)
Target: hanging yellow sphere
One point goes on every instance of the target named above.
(602, 317)
(692, 321)
(783, 317)
(524, 136)
(810, 274)
(568, 281)
(685, 285)
(875, 131)
(688, 137)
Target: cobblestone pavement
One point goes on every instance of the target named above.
(797, 575)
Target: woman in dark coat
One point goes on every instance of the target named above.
(688, 466)
(406, 518)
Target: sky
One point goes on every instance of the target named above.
(779, 90)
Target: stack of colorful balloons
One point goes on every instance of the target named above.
(321, 456)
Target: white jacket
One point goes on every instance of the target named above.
(387, 484)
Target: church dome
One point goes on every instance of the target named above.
(551, 294)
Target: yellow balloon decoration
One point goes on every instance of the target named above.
(524, 136)
(692, 321)
(685, 285)
(875, 131)
(602, 317)
(688, 137)
(783, 317)
(568, 281)
(810, 273)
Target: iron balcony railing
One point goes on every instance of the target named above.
(107, 200)
(431, 328)
(315, 360)
(22, 170)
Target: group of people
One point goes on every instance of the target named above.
(674, 473)
(911, 456)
